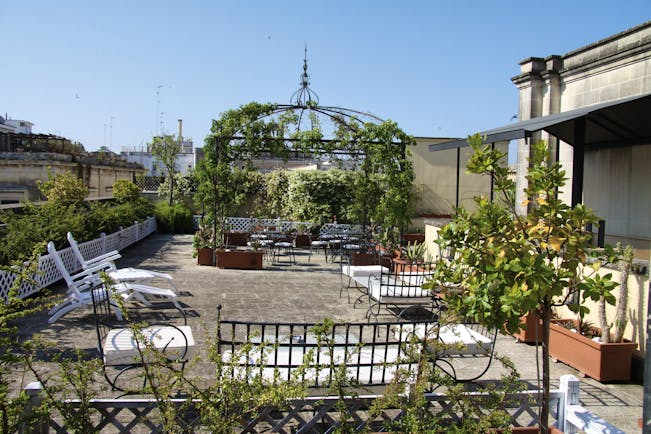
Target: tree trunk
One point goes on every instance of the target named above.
(546, 314)
(603, 321)
(171, 189)
(620, 315)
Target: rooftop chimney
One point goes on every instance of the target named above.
(181, 131)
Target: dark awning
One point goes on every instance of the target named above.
(625, 121)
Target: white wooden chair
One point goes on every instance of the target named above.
(81, 285)
(117, 274)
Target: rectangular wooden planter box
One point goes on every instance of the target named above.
(603, 362)
(236, 238)
(242, 259)
(413, 238)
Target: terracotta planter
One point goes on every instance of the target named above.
(360, 258)
(603, 362)
(242, 259)
(528, 334)
(204, 256)
(303, 240)
(236, 238)
(403, 265)
(416, 237)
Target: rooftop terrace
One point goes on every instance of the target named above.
(304, 292)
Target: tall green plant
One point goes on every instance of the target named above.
(166, 148)
(507, 264)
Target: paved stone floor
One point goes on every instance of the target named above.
(304, 292)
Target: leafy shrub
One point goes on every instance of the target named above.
(23, 230)
(63, 189)
(125, 191)
(174, 219)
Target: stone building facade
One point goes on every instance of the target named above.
(19, 172)
(615, 177)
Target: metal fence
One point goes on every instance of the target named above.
(47, 272)
(324, 414)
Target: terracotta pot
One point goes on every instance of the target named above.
(361, 258)
(415, 237)
(603, 362)
(303, 240)
(204, 256)
(404, 265)
(528, 334)
(242, 259)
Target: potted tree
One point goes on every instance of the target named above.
(202, 244)
(508, 264)
(598, 353)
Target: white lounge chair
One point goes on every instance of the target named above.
(117, 274)
(81, 284)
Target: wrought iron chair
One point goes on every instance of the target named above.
(125, 350)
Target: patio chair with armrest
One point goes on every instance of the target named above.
(80, 286)
(464, 350)
(399, 288)
(124, 350)
(117, 274)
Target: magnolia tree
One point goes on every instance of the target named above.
(506, 264)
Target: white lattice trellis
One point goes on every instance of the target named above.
(47, 272)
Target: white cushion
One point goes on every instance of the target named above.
(390, 288)
(120, 346)
(464, 340)
(378, 356)
(363, 270)
(136, 274)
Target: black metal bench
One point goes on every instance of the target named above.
(370, 353)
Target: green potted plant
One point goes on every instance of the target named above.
(598, 353)
(202, 244)
(507, 264)
(303, 238)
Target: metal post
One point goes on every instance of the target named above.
(458, 176)
(601, 235)
(577, 161)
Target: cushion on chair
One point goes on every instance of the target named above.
(366, 365)
(363, 270)
(120, 346)
(464, 340)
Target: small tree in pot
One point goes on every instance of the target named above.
(507, 264)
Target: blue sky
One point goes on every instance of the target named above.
(438, 68)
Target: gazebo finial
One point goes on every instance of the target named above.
(305, 96)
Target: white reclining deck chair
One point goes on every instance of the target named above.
(81, 284)
(117, 274)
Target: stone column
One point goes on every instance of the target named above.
(531, 86)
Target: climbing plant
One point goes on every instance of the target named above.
(379, 153)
